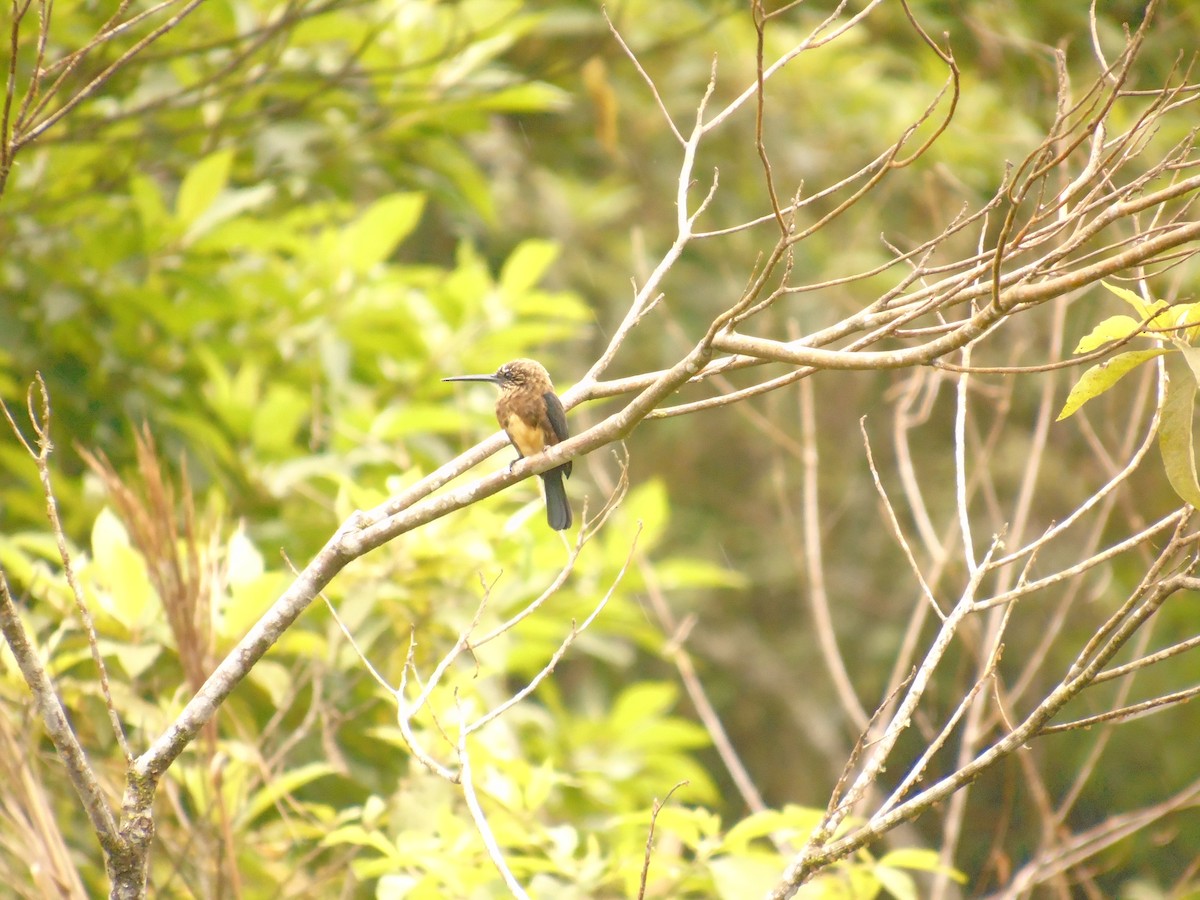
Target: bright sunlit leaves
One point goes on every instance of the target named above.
(1178, 326)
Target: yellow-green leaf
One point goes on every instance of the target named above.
(281, 787)
(752, 875)
(278, 419)
(357, 836)
(121, 573)
(526, 265)
(152, 212)
(1186, 316)
(203, 182)
(225, 206)
(244, 561)
(1175, 440)
(1115, 328)
(371, 238)
(920, 859)
(1191, 355)
(648, 504)
(793, 821)
(898, 883)
(1143, 309)
(642, 703)
(1099, 378)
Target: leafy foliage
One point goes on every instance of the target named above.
(1180, 325)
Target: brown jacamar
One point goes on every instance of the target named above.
(533, 418)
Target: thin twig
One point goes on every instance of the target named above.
(41, 422)
(654, 810)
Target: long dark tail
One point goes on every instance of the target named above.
(558, 510)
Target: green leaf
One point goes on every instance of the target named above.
(648, 504)
(200, 187)
(643, 703)
(667, 734)
(157, 226)
(896, 882)
(274, 679)
(919, 859)
(417, 418)
(278, 418)
(691, 826)
(244, 562)
(530, 97)
(736, 877)
(357, 836)
(526, 265)
(128, 596)
(234, 398)
(560, 306)
(371, 238)
(1099, 378)
(242, 234)
(792, 821)
(134, 659)
(248, 601)
(1175, 440)
(281, 787)
(226, 206)
(458, 166)
(684, 572)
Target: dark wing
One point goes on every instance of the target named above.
(558, 421)
(557, 415)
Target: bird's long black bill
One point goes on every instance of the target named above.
(490, 378)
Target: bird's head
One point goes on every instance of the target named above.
(515, 375)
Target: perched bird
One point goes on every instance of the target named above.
(533, 418)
